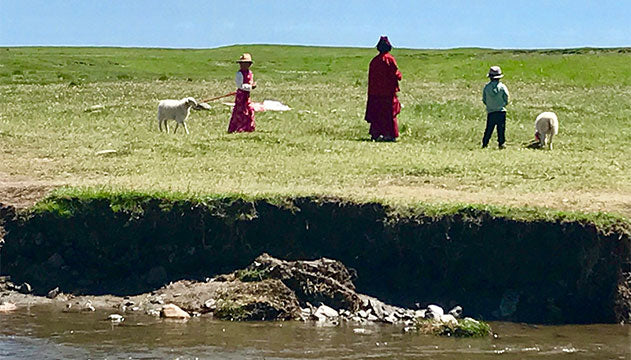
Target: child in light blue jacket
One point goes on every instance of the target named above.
(495, 97)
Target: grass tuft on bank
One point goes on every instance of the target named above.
(66, 201)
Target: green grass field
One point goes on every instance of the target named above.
(50, 135)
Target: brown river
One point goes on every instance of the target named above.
(42, 333)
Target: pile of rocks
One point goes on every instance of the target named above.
(374, 310)
(7, 285)
(319, 281)
(268, 289)
(329, 283)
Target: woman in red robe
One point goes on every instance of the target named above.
(242, 119)
(383, 106)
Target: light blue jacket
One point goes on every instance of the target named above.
(495, 96)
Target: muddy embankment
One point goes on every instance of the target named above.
(537, 271)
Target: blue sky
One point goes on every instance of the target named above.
(410, 24)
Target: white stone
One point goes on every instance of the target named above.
(327, 311)
(173, 311)
(7, 306)
(391, 319)
(105, 152)
(88, 306)
(116, 318)
(419, 314)
(436, 309)
(434, 312)
(456, 311)
(210, 304)
(320, 317)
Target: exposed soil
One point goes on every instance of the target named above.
(541, 271)
(23, 192)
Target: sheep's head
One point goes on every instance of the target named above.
(190, 102)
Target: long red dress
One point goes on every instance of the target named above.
(242, 119)
(383, 106)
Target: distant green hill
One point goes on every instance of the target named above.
(44, 65)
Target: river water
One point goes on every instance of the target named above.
(44, 333)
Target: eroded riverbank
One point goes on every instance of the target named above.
(544, 269)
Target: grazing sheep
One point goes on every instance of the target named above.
(177, 110)
(546, 126)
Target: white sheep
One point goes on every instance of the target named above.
(177, 110)
(546, 126)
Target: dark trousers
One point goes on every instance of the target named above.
(497, 118)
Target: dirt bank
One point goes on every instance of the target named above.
(544, 270)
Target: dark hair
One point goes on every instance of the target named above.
(383, 47)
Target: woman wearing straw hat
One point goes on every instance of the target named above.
(383, 106)
(495, 97)
(242, 119)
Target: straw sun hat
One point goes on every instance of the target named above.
(495, 72)
(245, 58)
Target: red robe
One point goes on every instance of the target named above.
(383, 106)
(242, 119)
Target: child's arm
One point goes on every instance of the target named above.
(239, 82)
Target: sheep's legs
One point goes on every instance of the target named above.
(185, 128)
(166, 126)
(550, 141)
(176, 125)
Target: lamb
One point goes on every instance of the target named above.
(177, 110)
(546, 125)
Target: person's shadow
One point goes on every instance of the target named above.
(533, 144)
(380, 140)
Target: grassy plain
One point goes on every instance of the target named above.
(50, 135)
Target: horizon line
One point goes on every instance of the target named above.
(319, 46)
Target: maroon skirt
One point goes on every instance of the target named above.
(242, 119)
(381, 113)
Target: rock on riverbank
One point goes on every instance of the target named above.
(268, 289)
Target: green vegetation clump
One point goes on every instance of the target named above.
(231, 310)
(251, 275)
(466, 327)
